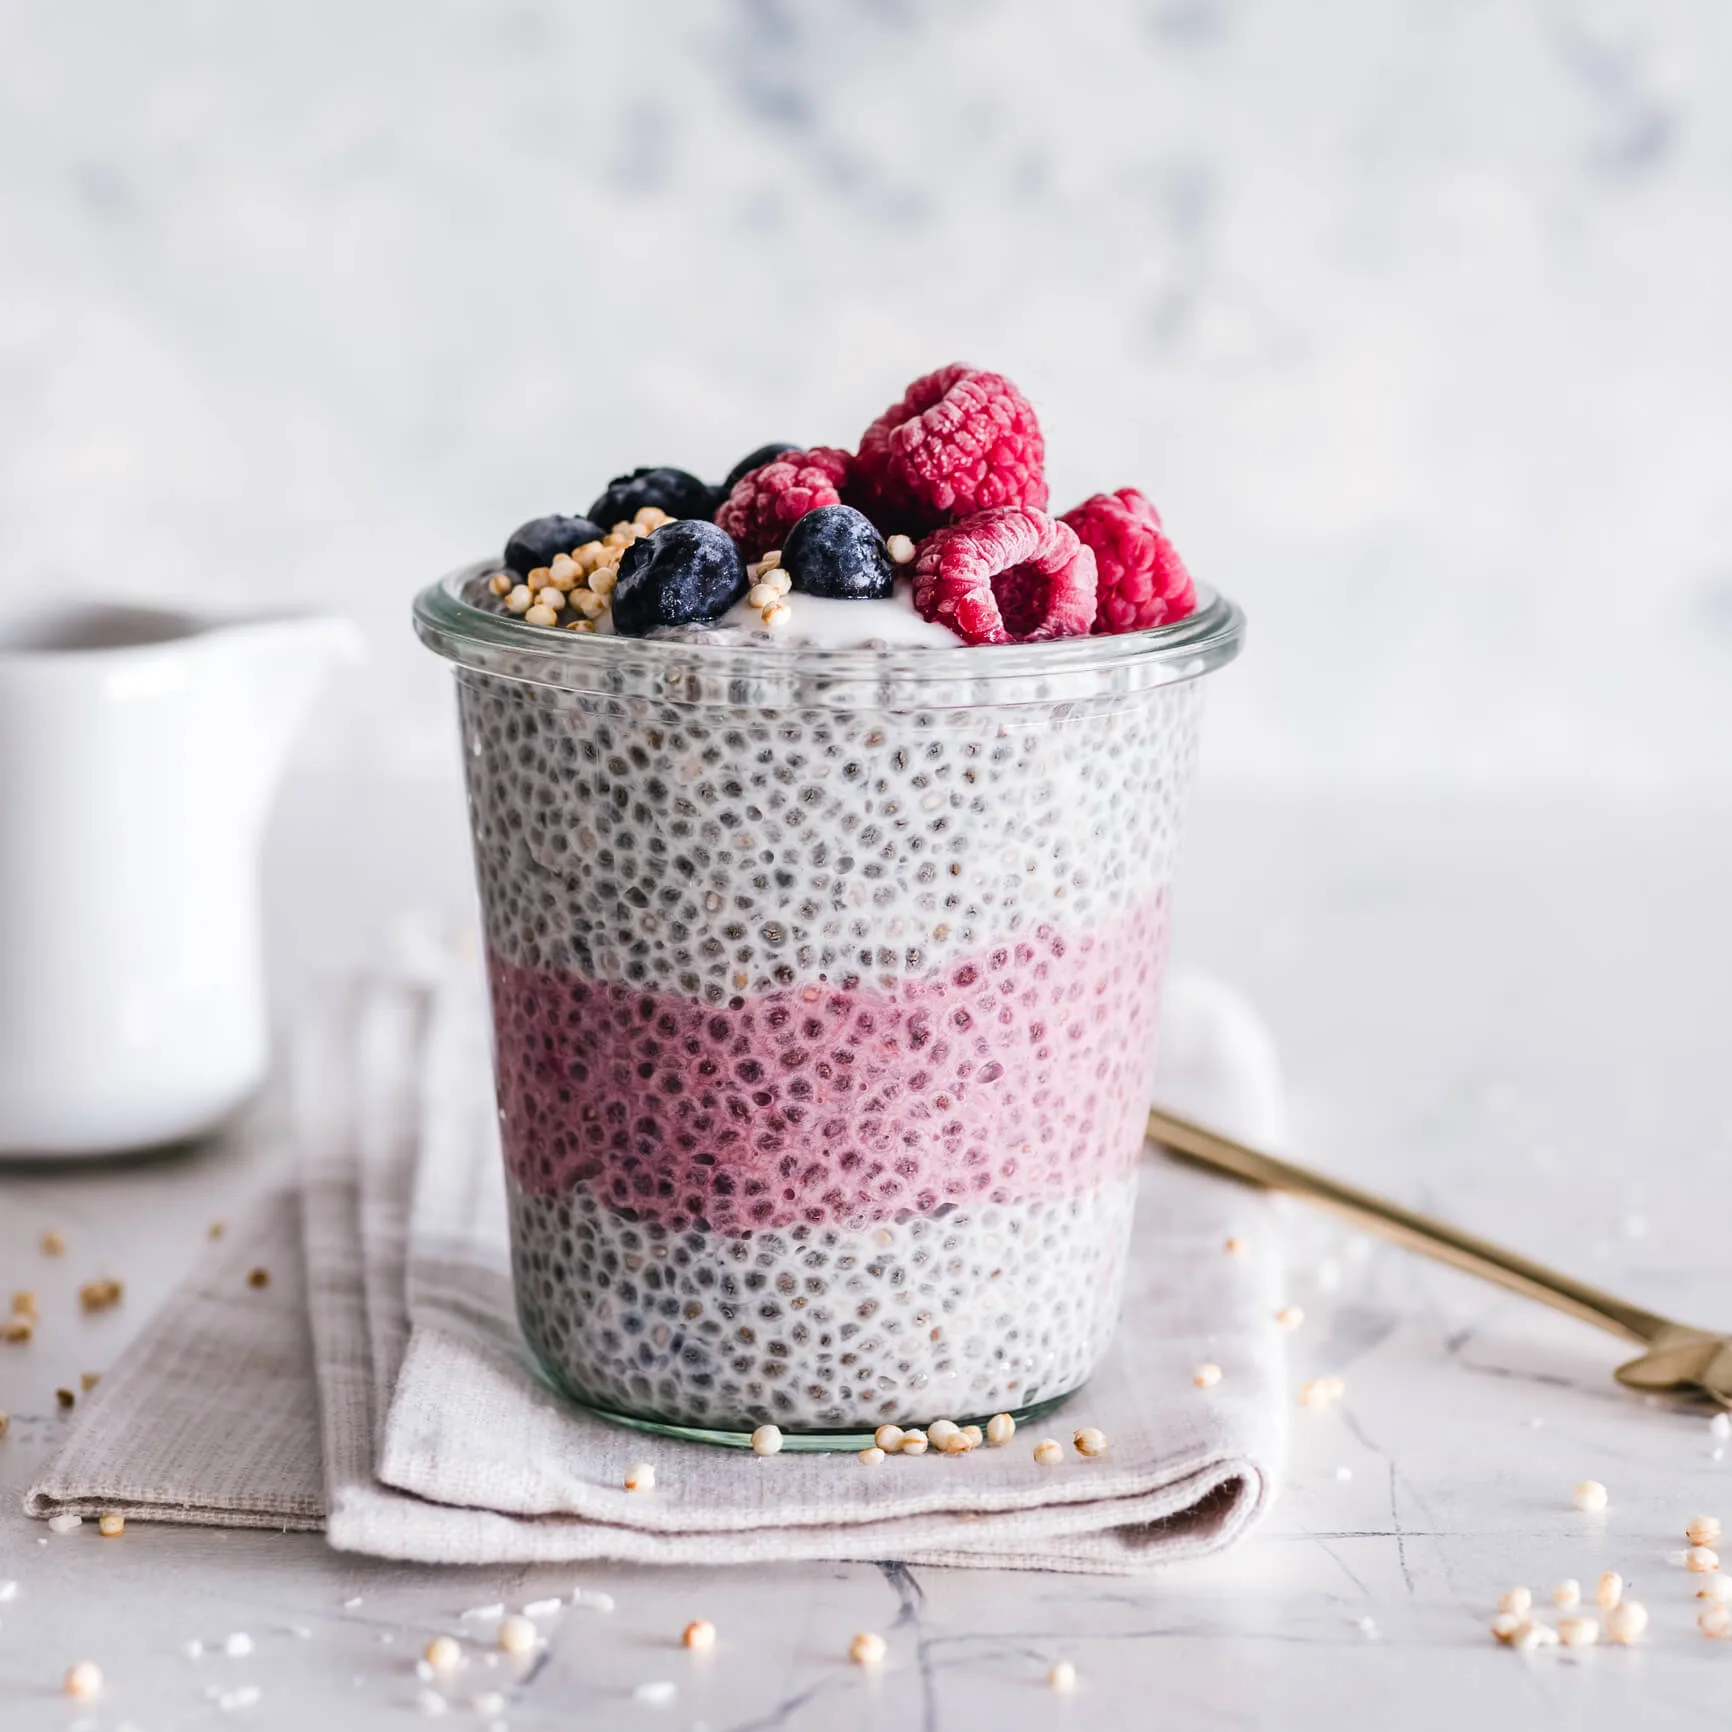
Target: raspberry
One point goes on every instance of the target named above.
(768, 501)
(959, 441)
(1010, 575)
(1143, 582)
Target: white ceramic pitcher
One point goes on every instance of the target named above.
(139, 748)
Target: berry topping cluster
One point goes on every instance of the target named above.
(948, 485)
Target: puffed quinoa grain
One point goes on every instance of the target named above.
(778, 580)
(868, 1649)
(641, 1478)
(52, 1244)
(1567, 1593)
(699, 1634)
(767, 1440)
(1000, 1429)
(258, 1278)
(1702, 1530)
(901, 550)
(66, 1399)
(1626, 1622)
(778, 615)
(761, 596)
(1517, 1600)
(100, 1295)
(1048, 1453)
(539, 615)
(24, 1305)
(974, 1435)
(443, 1654)
(769, 561)
(602, 581)
(1590, 1496)
(1090, 1441)
(913, 1442)
(1505, 1625)
(499, 583)
(1061, 1675)
(110, 1525)
(517, 1635)
(1715, 1621)
(888, 1438)
(563, 572)
(872, 1455)
(17, 1330)
(1289, 1317)
(1716, 1587)
(521, 599)
(1234, 1246)
(553, 599)
(1701, 1560)
(1532, 1635)
(1578, 1632)
(84, 1680)
(1206, 1376)
(1609, 1590)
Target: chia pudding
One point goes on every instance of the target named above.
(825, 946)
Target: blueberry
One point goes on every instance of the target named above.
(670, 490)
(754, 460)
(836, 551)
(535, 544)
(689, 570)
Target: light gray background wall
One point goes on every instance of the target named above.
(1415, 318)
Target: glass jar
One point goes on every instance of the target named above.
(824, 989)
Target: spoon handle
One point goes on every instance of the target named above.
(1195, 1142)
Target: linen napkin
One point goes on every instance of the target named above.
(436, 1440)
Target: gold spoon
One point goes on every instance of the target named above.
(1679, 1358)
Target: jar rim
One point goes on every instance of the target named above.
(504, 646)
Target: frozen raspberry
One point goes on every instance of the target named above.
(768, 501)
(1143, 582)
(961, 440)
(1010, 575)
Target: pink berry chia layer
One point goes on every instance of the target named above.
(1017, 1075)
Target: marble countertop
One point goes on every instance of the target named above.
(1512, 1014)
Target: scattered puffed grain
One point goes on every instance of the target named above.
(238, 1646)
(88, 1380)
(872, 1456)
(901, 550)
(1609, 1590)
(913, 1442)
(769, 561)
(1506, 1625)
(499, 583)
(443, 1653)
(1000, 1429)
(1626, 1622)
(563, 571)
(16, 1331)
(1090, 1441)
(888, 1438)
(100, 1295)
(778, 616)
(761, 595)
(1567, 1593)
(641, 1478)
(1717, 1587)
(1579, 1632)
(110, 1525)
(84, 1680)
(940, 1431)
(553, 599)
(1715, 1621)
(1517, 1600)
(956, 1442)
(258, 1278)
(868, 1649)
(1590, 1496)
(52, 1244)
(1701, 1560)
(540, 615)
(521, 599)
(700, 1634)
(1532, 1635)
(975, 1436)
(1062, 1674)
(1048, 1453)
(1206, 1376)
(767, 1440)
(24, 1305)
(1289, 1317)
(1234, 1246)
(516, 1634)
(64, 1523)
(779, 581)
(1703, 1530)
(216, 1229)
(66, 1398)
